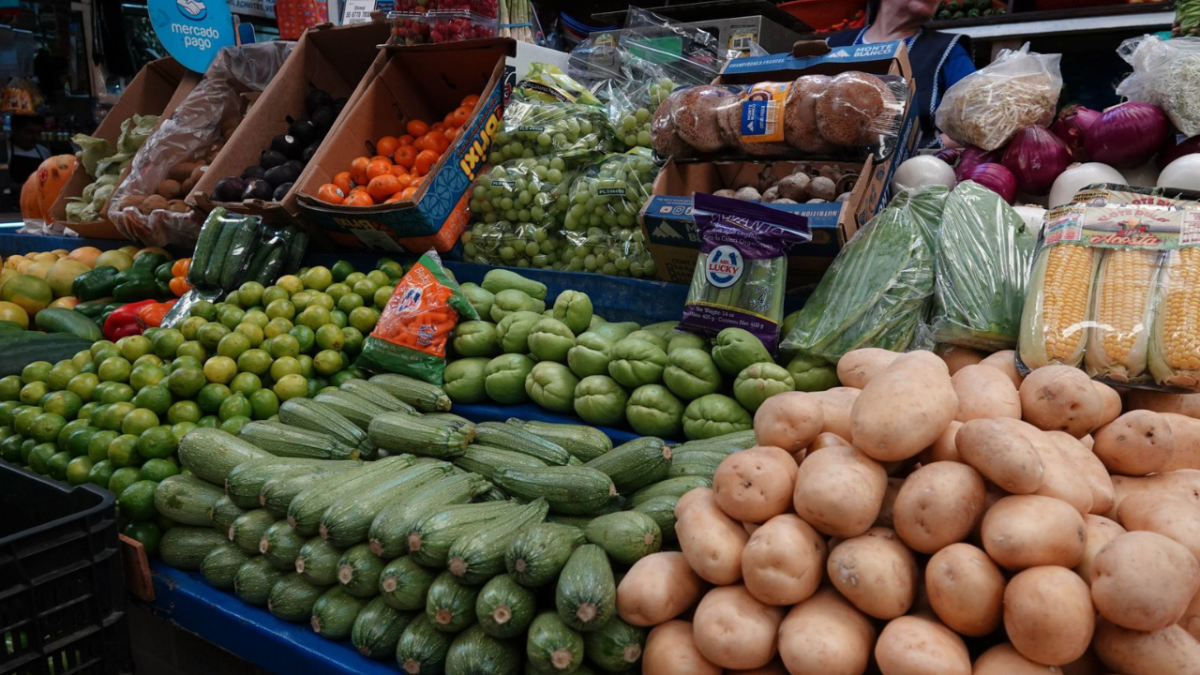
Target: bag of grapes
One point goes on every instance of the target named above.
(620, 253)
(575, 132)
(516, 210)
(741, 271)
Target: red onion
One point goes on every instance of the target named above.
(1036, 157)
(972, 157)
(1127, 135)
(1187, 147)
(949, 155)
(995, 178)
(1070, 127)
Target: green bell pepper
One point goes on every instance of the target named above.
(94, 284)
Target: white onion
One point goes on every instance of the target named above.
(1145, 175)
(1079, 176)
(922, 171)
(1183, 173)
(1034, 217)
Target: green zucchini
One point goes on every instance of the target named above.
(280, 545)
(318, 561)
(249, 528)
(577, 522)
(376, 395)
(616, 646)
(400, 432)
(185, 548)
(292, 598)
(359, 571)
(486, 461)
(278, 493)
(211, 453)
(635, 464)
(254, 581)
(728, 443)
(509, 437)
(538, 553)
(221, 564)
(224, 512)
(422, 648)
(584, 443)
(308, 414)
(304, 513)
(423, 396)
(334, 613)
(245, 483)
(671, 487)
(713, 457)
(575, 490)
(186, 500)
(504, 607)
(450, 605)
(404, 584)
(474, 652)
(494, 494)
(662, 510)
(430, 539)
(586, 592)
(478, 555)
(377, 629)
(358, 410)
(626, 536)
(446, 420)
(552, 646)
(389, 532)
(703, 464)
(348, 520)
(283, 440)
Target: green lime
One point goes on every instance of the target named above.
(306, 366)
(314, 387)
(181, 361)
(27, 447)
(56, 466)
(146, 533)
(6, 412)
(147, 360)
(122, 478)
(99, 345)
(114, 369)
(45, 427)
(157, 443)
(234, 425)
(285, 366)
(194, 349)
(245, 383)
(63, 403)
(353, 278)
(230, 316)
(284, 345)
(184, 411)
(157, 469)
(23, 418)
(277, 327)
(291, 386)
(366, 288)
(220, 369)
(391, 269)
(350, 302)
(79, 469)
(37, 371)
(327, 362)
(33, 393)
(305, 336)
(273, 293)
(210, 334)
(338, 318)
(209, 421)
(117, 412)
(89, 368)
(117, 392)
(83, 385)
(191, 326)
(10, 447)
(186, 382)
(251, 331)
(264, 403)
(156, 399)
(122, 451)
(254, 361)
(364, 319)
(86, 411)
(379, 277)
(107, 353)
(61, 374)
(381, 297)
(203, 309)
(330, 336)
(66, 431)
(166, 342)
(281, 309)
(149, 334)
(10, 388)
(137, 501)
(181, 429)
(82, 358)
(232, 300)
(79, 439)
(323, 300)
(250, 293)
(212, 396)
(341, 269)
(299, 300)
(98, 444)
(337, 291)
(352, 340)
(101, 473)
(314, 317)
(318, 278)
(133, 346)
(235, 406)
(138, 420)
(146, 375)
(340, 377)
(257, 317)
(40, 456)
(232, 345)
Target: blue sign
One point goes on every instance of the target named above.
(193, 31)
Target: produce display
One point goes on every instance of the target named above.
(104, 164)
(183, 176)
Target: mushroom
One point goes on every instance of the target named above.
(727, 193)
(800, 116)
(771, 194)
(748, 194)
(844, 197)
(822, 188)
(816, 201)
(796, 186)
(662, 129)
(784, 200)
(696, 117)
(846, 112)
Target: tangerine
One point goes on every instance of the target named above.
(471, 101)
(451, 133)
(379, 166)
(344, 181)
(419, 143)
(406, 140)
(438, 126)
(331, 194)
(359, 198)
(382, 187)
(416, 128)
(408, 192)
(386, 146)
(459, 116)
(406, 155)
(436, 141)
(358, 170)
(425, 161)
(398, 170)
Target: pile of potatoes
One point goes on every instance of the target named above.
(939, 516)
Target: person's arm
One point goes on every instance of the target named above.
(958, 65)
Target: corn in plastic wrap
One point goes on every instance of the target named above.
(1175, 342)
(1119, 338)
(1057, 306)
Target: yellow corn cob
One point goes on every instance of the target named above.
(1175, 346)
(1122, 314)
(1057, 304)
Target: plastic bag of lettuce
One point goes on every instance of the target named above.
(105, 164)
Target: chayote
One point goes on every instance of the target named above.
(476, 338)
(691, 374)
(464, 379)
(646, 335)
(597, 320)
(552, 386)
(590, 355)
(505, 378)
(636, 362)
(663, 329)
(574, 309)
(600, 400)
(654, 411)
(736, 349)
(550, 340)
(789, 322)
(615, 331)
(481, 299)
(759, 382)
(687, 341)
(714, 415)
(812, 374)
(513, 331)
(512, 300)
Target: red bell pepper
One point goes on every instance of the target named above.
(124, 321)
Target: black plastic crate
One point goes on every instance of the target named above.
(62, 588)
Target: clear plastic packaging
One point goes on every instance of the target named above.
(517, 209)
(988, 107)
(484, 8)
(611, 192)
(574, 132)
(439, 26)
(1167, 74)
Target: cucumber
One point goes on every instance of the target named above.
(209, 233)
(249, 528)
(430, 539)
(335, 612)
(486, 461)
(509, 437)
(584, 443)
(220, 251)
(404, 584)
(283, 440)
(280, 545)
(211, 454)
(478, 555)
(305, 511)
(504, 607)
(62, 320)
(254, 581)
(318, 561)
(377, 629)
(401, 432)
(450, 604)
(626, 536)
(186, 500)
(389, 531)
(474, 652)
(185, 548)
(574, 490)
(423, 396)
(586, 592)
(347, 521)
(662, 510)
(552, 646)
(292, 598)
(295, 251)
(359, 570)
(376, 395)
(615, 647)
(671, 487)
(278, 493)
(245, 483)
(224, 512)
(239, 251)
(422, 648)
(537, 554)
(221, 564)
(358, 410)
(635, 464)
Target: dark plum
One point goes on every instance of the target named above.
(258, 189)
(253, 172)
(281, 191)
(229, 189)
(271, 159)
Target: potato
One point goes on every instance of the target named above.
(1144, 581)
(826, 439)
(824, 635)
(915, 645)
(784, 561)
(985, 393)
(1181, 483)
(1181, 404)
(904, 409)
(839, 491)
(1048, 615)
(1169, 516)
(733, 630)
(857, 368)
(875, 572)
(887, 510)
(756, 484)
(1100, 531)
(945, 449)
(775, 667)
(1190, 621)
(658, 588)
(711, 541)
(1005, 362)
(957, 358)
(1110, 400)
(1002, 450)
(1061, 398)
(1088, 467)
(1061, 478)
(966, 589)
(671, 650)
(1135, 444)
(1088, 442)
(1186, 433)
(836, 405)
(1025, 531)
(790, 420)
(1170, 651)
(939, 504)
(1088, 664)
(1004, 660)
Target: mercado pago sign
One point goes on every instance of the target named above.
(193, 31)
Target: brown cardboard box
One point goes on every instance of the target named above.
(340, 61)
(156, 90)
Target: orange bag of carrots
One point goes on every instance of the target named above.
(419, 319)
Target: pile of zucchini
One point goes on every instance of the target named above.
(462, 549)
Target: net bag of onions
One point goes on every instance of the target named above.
(987, 108)
(1167, 74)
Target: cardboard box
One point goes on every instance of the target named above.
(421, 82)
(666, 217)
(339, 60)
(159, 87)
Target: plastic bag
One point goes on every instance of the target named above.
(517, 208)
(621, 252)
(418, 320)
(575, 132)
(187, 136)
(988, 107)
(235, 248)
(600, 228)
(1167, 74)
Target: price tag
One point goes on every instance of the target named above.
(358, 11)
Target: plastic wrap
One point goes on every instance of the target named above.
(988, 107)
(436, 27)
(575, 132)
(517, 209)
(880, 285)
(190, 134)
(981, 260)
(1167, 74)
(235, 248)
